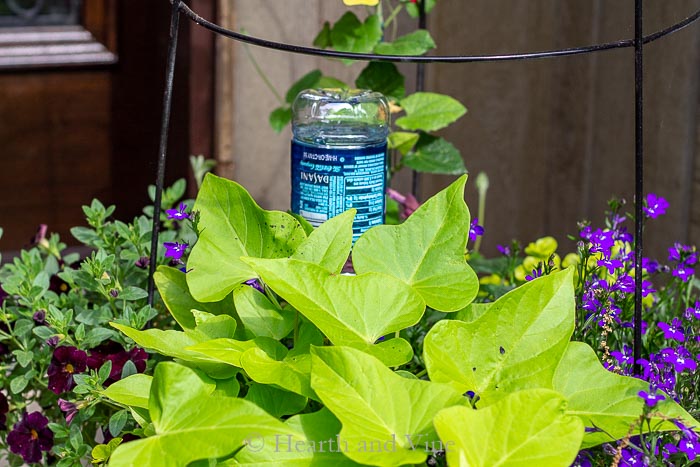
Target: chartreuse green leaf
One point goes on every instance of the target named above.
(133, 390)
(291, 372)
(429, 111)
(435, 155)
(329, 245)
(192, 424)
(428, 251)
(172, 286)
(387, 419)
(276, 402)
(349, 310)
(321, 448)
(403, 141)
(605, 400)
(414, 43)
(349, 34)
(382, 77)
(260, 316)
(525, 429)
(516, 345)
(174, 344)
(229, 351)
(233, 225)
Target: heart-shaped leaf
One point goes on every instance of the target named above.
(229, 351)
(516, 345)
(545, 436)
(192, 424)
(435, 155)
(291, 372)
(347, 309)
(414, 43)
(403, 141)
(232, 225)
(606, 402)
(429, 111)
(329, 245)
(387, 419)
(349, 34)
(382, 77)
(428, 251)
(260, 316)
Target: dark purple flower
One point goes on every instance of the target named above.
(255, 283)
(58, 285)
(69, 408)
(654, 206)
(114, 293)
(142, 262)
(673, 331)
(175, 250)
(115, 353)
(52, 341)
(651, 398)
(610, 264)
(624, 283)
(39, 317)
(537, 272)
(475, 230)
(4, 408)
(178, 214)
(66, 362)
(30, 436)
(602, 242)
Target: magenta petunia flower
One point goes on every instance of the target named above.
(66, 362)
(30, 436)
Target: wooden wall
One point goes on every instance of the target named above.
(555, 136)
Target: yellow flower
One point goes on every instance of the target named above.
(493, 279)
(542, 248)
(360, 2)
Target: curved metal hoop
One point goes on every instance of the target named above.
(187, 11)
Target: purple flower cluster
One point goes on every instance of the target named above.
(684, 259)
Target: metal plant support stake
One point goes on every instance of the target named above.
(179, 7)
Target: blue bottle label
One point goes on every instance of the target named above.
(327, 181)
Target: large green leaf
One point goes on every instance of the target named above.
(174, 344)
(527, 428)
(349, 34)
(232, 225)
(429, 111)
(329, 245)
(320, 450)
(291, 372)
(428, 251)
(403, 141)
(276, 402)
(349, 310)
(192, 424)
(607, 401)
(133, 390)
(516, 345)
(387, 419)
(260, 316)
(435, 155)
(229, 351)
(414, 43)
(382, 77)
(172, 285)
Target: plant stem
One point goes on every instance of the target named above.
(261, 73)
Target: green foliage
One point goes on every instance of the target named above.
(382, 77)
(429, 111)
(433, 155)
(414, 43)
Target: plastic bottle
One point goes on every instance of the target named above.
(339, 155)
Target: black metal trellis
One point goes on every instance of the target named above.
(180, 8)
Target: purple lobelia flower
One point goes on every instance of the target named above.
(691, 447)
(625, 357)
(178, 214)
(66, 362)
(175, 250)
(673, 331)
(504, 250)
(651, 398)
(537, 272)
(582, 460)
(255, 283)
(624, 283)
(693, 311)
(679, 358)
(475, 230)
(654, 206)
(602, 241)
(30, 436)
(610, 264)
(632, 458)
